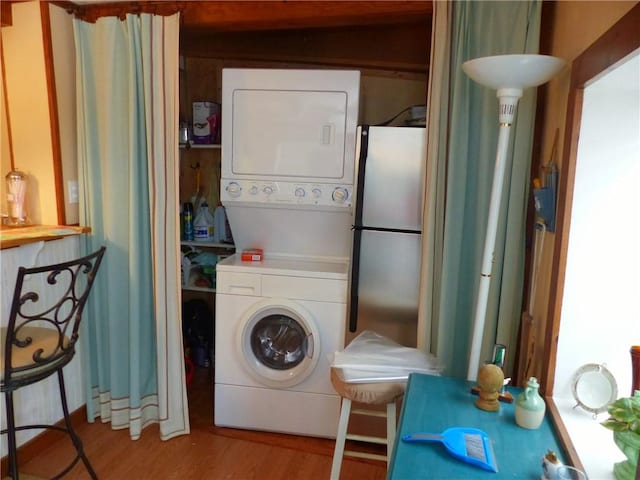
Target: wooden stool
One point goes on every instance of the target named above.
(374, 393)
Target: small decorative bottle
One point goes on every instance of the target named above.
(530, 406)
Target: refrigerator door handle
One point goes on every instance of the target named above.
(355, 280)
(357, 229)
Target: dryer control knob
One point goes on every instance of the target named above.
(268, 189)
(253, 190)
(316, 192)
(234, 189)
(340, 195)
(299, 192)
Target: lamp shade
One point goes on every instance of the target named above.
(513, 71)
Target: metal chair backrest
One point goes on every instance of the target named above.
(41, 333)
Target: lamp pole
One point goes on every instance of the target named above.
(508, 105)
(510, 75)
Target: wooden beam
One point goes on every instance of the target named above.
(226, 16)
(5, 14)
(270, 15)
(54, 123)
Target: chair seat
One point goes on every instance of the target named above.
(43, 339)
(371, 393)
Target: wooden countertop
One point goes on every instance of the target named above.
(15, 236)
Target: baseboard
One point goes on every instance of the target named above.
(29, 450)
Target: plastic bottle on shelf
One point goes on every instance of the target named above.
(187, 217)
(220, 225)
(203, 226)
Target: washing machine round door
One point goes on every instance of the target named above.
(279, 342)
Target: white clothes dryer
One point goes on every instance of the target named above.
(277, 323)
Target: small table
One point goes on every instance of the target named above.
(432, 404)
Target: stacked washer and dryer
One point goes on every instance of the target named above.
(288, 171)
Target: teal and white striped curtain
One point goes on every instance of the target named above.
(461, 150)
(127, 84)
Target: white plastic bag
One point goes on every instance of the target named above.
(372, 357)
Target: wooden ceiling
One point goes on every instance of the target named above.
(388, 35)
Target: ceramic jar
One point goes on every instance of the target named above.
(530, 406)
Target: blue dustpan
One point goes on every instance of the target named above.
(470, 445)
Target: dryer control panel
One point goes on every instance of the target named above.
(286, 193)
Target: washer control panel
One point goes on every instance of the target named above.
(286, 193)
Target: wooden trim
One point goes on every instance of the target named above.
(52, 95)
(7, 118)
(6, 14)
(569, 450)
(18, 236)
(615, 45)
(272, 15)
(561, 244)
(44, 440)
(526, 343)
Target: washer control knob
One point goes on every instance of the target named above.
(300, 192)
(316, 192)
(268, 189)
(253, 190)
(340, 195)
(234, 189)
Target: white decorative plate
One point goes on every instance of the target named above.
(594, 388)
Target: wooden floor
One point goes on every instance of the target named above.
(208, 452)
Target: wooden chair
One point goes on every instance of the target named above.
(368, 394)
(40, 340)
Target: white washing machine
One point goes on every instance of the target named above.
(277, 322)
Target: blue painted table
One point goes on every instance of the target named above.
(432, 404)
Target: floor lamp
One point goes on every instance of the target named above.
(510, 75)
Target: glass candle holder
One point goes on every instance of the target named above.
(16, 197)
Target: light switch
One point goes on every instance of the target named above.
(72, 185)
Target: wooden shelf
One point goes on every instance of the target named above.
(189, 146)
(193, 243)
(198, 289)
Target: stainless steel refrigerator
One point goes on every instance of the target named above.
(386, 254)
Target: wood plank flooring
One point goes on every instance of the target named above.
(208, 452)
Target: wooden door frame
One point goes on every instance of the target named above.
(605, 54)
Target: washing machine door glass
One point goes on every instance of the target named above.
(279, 342)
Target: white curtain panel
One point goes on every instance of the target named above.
(435, 181)
(160, 61)
(127, 83)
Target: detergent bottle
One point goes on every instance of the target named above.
(220, 225)
(203, 227)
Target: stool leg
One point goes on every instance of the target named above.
(338, 451)
(391, 428)
(72, 433)
(11, 435)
